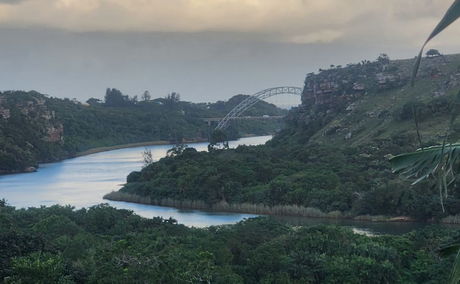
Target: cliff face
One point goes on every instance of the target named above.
(29, 131)
(371, 102)
(337, 89)
(31, 109)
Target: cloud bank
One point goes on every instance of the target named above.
(297, 21)
(204, 49)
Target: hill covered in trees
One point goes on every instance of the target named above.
(36, 128)
(332, 158)
(105, 245)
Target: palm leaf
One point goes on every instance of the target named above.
(423, 163)
(453, 249)
(451, 15)
(455, 274)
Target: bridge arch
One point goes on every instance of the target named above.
(252, 100)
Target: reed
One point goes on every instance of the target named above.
(258, 209)
(452, 219)
(371, 218)
(262, 209)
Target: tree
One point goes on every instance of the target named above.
(148, 157)
(432, 53)
(146, 96)
(114, 97)
(39, 268)
(93, 101)
(177, 150)
(383, 59)
(218, 136)
(172, 100)
(173, 97)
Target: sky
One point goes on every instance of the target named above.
(206, 50)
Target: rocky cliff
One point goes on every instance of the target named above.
(29, 131)
(371, 102)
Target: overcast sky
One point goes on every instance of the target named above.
(206, 50)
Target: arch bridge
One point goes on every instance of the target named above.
(237, 111)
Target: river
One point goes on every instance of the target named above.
(83, 181)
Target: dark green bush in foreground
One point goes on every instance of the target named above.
(105, 245)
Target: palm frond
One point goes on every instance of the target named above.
(451, 15)
(423, 163)
(450, 249)
(455, 274)
(438, 162)
(453, 249)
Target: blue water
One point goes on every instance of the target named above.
(83, 181)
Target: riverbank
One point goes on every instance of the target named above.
(261, 209)
(90, 151)
(110, 148)
(133, 145)
(151, 143)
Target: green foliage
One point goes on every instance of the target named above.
(327, 178)
(115, 98)
(39, 268)
(453, 249)
(105, 245)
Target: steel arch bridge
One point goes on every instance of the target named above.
(252, 100)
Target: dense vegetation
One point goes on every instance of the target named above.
(35, 128)
(315, 176)
(105, 245)
(333, 154)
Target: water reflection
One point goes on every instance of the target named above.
(359, 227)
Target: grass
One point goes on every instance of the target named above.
(366, 130)
(453, 219)
(258, 209)
(261, 209)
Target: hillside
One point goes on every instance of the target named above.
(332, 158)
(35, 128)
(373, 103)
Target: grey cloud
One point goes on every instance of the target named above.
(12, 2)
(205, 66)
(206, 56)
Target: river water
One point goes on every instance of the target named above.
(83, 181)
